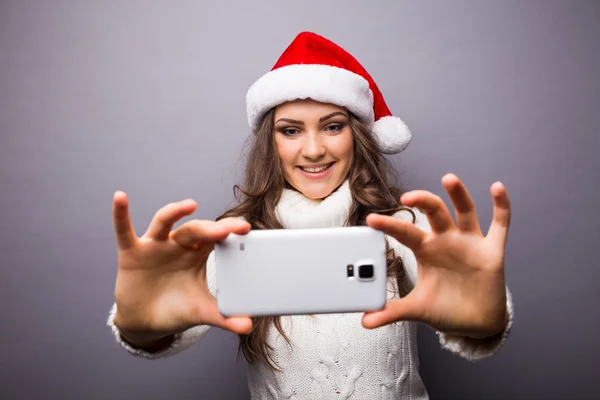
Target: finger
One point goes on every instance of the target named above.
(404, 309)
(403, 231)
(437, 213)
(167, 216)
(212, 316)
(123, 227)
(194, 232)
(241, 325)
(464, 207)
(498, 231)
(234, 225)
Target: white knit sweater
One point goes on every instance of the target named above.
(332, 356)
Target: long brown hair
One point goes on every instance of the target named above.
(372, 184)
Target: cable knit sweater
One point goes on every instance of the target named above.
(331, 355)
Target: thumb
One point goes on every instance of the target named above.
(241, 325)
(211, 315)
(404, 309)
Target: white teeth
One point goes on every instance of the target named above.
(315, 170)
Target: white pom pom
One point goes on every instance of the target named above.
(392, 133)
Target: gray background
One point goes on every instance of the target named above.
(148, 97)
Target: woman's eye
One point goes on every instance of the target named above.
(289, 131)
(334, 128)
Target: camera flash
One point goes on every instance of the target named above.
(350, 271)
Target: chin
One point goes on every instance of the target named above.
(317, 194)
(316, 190)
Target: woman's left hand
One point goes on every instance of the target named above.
(460, 287)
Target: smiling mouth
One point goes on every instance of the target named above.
(317, 170)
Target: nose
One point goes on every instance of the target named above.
(314, 147)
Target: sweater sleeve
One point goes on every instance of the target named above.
(469, 348)
(181, 341)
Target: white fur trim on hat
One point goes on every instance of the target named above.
(323, 83)
(392, 133)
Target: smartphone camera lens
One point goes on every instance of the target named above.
(366, 271)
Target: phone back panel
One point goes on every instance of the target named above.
(300, 271)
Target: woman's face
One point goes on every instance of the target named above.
(315, 145)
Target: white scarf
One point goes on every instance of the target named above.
(295, 210)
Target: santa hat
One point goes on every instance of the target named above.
(316, 68)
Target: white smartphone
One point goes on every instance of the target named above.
(301, 271)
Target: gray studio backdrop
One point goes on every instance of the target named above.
(148, 97)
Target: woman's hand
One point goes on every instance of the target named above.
(161, 287)
(461, 286)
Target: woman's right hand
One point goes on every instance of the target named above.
(161, 287)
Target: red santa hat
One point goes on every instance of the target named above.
(316, 68)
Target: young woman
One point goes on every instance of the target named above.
(321, 128)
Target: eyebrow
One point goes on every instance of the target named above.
(325, 118)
